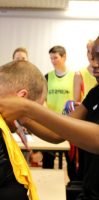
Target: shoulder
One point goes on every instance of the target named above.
(92, 97)
(49, 74)
(77, 74)
(78, 77)
(94, 90)
(69, 74)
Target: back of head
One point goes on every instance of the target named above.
(58, 49)
(18, 75)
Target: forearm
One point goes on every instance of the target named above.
(42, 132)
(76, 131)
(83, 134)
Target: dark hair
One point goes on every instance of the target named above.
(58, 49)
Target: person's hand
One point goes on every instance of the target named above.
(12, 108)
(70, 106)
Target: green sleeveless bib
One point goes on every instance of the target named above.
(60, 90)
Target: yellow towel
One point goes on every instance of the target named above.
(20, 167)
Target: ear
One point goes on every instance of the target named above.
(23, 93)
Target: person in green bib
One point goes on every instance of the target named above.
(60, 89)
(84, 80)
(60, 80)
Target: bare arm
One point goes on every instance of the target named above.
(41, 131)
(77, 87)
(83, 134)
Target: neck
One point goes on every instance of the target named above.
(60, 72)
(61, 68)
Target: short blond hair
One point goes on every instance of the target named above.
(18, 75)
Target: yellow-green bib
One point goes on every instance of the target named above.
(60, 90)
(89, 80)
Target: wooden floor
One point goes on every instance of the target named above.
(50, 183)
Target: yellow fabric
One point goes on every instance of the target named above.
(20, 167)
(60, 90)
(89, 81)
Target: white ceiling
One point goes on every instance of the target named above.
(38, 4)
